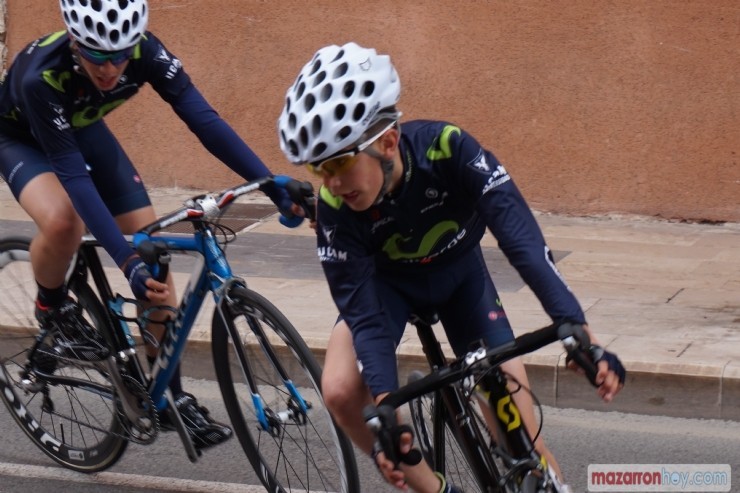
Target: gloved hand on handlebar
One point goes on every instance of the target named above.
(610, 373)
(393, 444)
(613, 362)
(143, 285)
(290, 215)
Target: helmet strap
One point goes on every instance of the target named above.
(387, 166)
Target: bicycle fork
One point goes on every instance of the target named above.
(269, 420)
(509, 429)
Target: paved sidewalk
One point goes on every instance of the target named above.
(664, 296)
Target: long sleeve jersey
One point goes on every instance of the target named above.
(46, 97)
(452, 191)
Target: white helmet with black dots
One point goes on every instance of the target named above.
(336, 98)
(106, 25)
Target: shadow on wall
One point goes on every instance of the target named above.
(629, 108)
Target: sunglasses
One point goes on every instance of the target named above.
(341, 162)
(97, 57)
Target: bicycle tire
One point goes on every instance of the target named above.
(310, 456)
(437, 440)
(74, 422)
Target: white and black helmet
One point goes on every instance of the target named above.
(107, 25)
(336, 98)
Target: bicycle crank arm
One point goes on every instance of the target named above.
(182, 431)
(129, 402)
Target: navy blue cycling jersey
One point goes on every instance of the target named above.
(452, 190)
(46, 98)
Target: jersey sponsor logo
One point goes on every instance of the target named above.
(498, 177)
(56, 80)
(162, 56)
(329, 232)
(480, 163)
(329, 254)
(174, 64)
(551, 262)
(397, 247)
(381, 222)
(59, 121)
(91, 114)
(440, 148)
(174, 68)
(433, 194)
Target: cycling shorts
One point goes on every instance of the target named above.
(462, 294)
(112, 172)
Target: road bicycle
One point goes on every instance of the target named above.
(465, 422)
(83, 414)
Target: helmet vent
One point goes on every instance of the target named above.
(339, 112)
(292, 121)
(112, 16)
(309, 102)
(348, 89)
(341, 70)
(301, 89)
(319, 78)
(368, 88)
(316, 67)
(316, 127)
(326, 93)
(343, 133)
(293, 147)
(359, 112)
(319, 149)
(96, 5)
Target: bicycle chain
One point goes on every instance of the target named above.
(143, 435)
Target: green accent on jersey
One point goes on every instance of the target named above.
(83, 118)
(393, 245)
(326, 196)
(54, 80)
(440, 148)
(52, 37)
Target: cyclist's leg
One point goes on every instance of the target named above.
(123, 192)
(29, 175)
(475, 312)
(346, 395)
(59, 228)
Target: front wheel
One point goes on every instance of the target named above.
(270, 383)
(435, 437)
(66, 407)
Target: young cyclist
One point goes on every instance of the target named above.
(68, 171)
(401, 213)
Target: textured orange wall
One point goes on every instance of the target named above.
(594, 107)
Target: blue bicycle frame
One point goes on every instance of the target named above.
(214, 274)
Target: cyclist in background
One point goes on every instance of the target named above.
(68, 171)
(401, 214)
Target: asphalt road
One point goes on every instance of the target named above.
(578, 438)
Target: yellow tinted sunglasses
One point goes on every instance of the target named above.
(341, 162)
